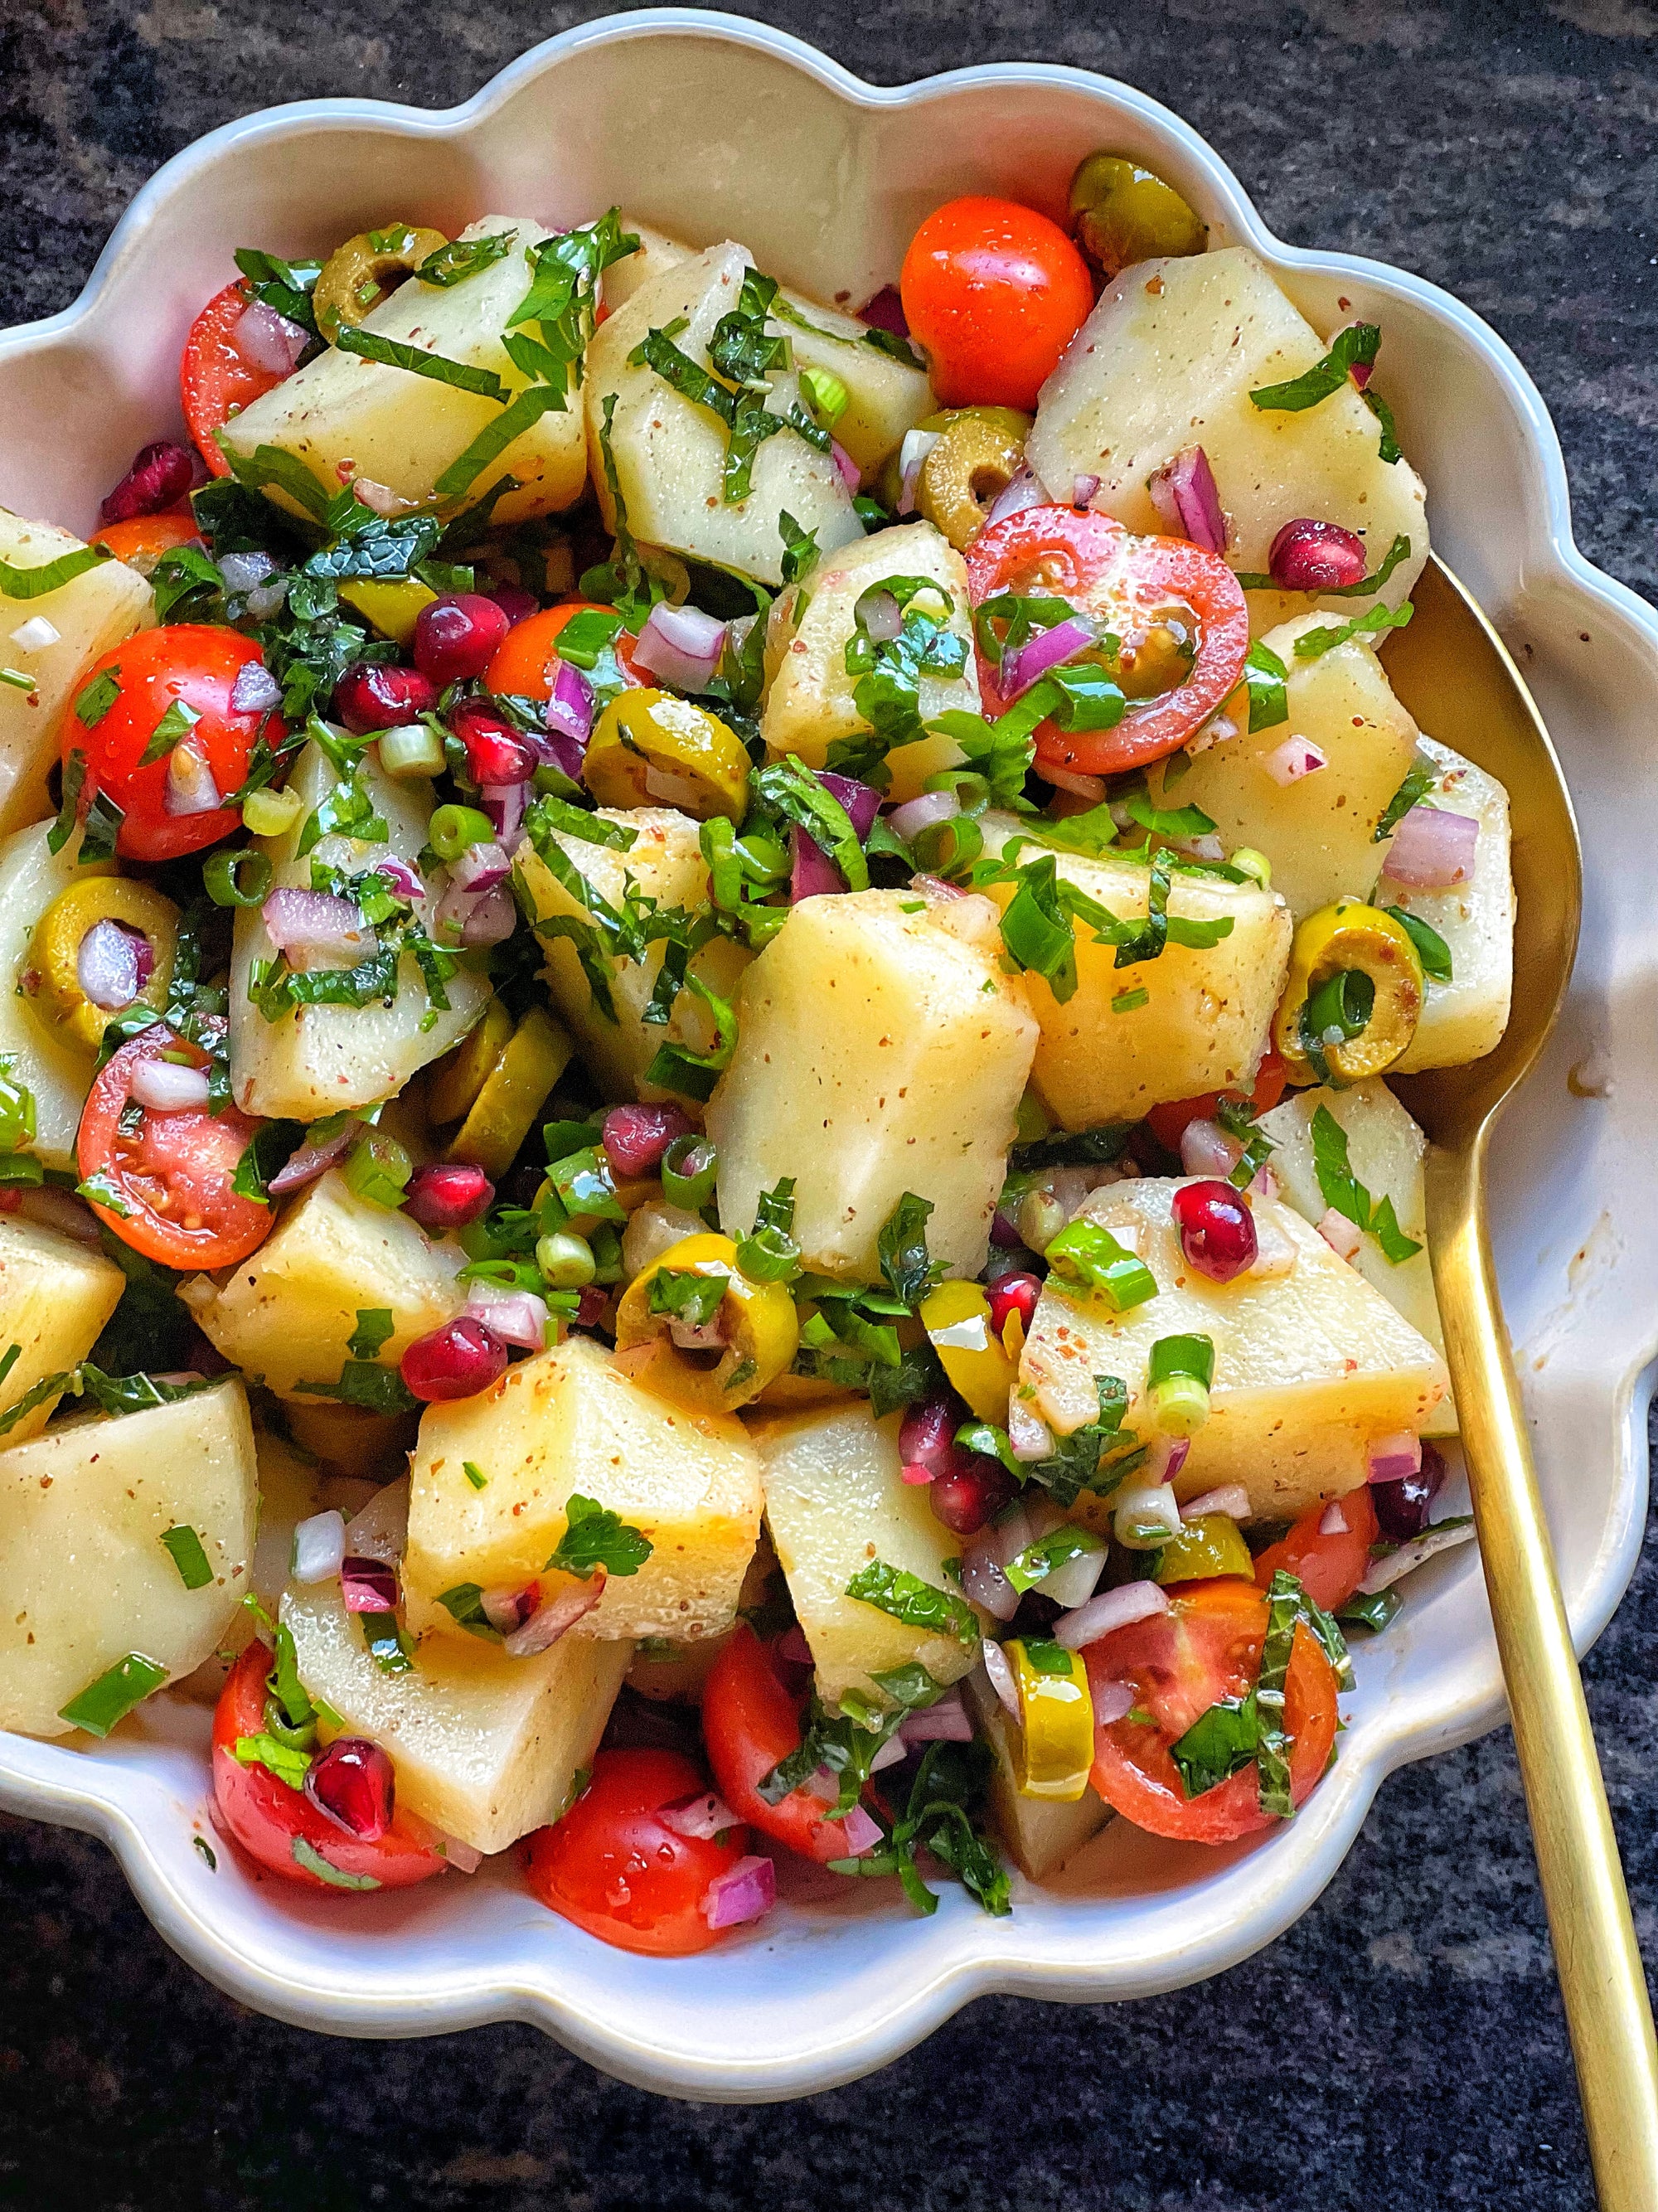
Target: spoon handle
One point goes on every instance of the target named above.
(1608, 2012)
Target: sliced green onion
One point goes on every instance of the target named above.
(1249, 862)
(455, 828)
(378, 1168)
(417, 750)
(566, 1260)
(17, 679)
(827, 396)
(183, 1548)
(690, 1167)
(236, 879)
(1085, 1256)
(114, 1694)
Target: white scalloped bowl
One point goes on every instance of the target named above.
(715, 127)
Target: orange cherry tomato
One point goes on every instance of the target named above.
(1329, 1564)
(993, 293)
(525, 664)
(1169, 1122)
(750, 1724)
(141, 542)
(1206, 1647)
(215, 382)
(197, 663)
(612, 1867)
(1128, 584)
(169, 1181)
(267, 1817)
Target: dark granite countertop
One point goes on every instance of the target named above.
(1403, 2043)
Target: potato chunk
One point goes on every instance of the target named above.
(569, 1421)
(1203, 1024)
(1384, 1149)
(31, 877)
(55, 1296)
(315, 1061)
(342, 415)
(1310, 1366)
(1465, 1019)
(670, 452)
(286, 1313)
(879, 1051)
(808, 699)
(1042, 1833)
(666, 862)
(84, 1577)
(834, 1503)
(1319, 833)
(485, 1748)
(1167, 359)
(86, 617)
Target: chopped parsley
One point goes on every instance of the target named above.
(1341, 1190)
(594, 1537)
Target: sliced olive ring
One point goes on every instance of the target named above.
(1124, 213)
(357, 276)
(514, 1089)
(754, 1331)
(652, 749)
(59, 997)
(1354, 996)
(980, 452)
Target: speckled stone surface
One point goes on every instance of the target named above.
(1403, 2045)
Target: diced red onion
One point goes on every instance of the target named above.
(508, 1610)
(53, 1209)
(1090, 787)
(255, 690)
(999, 1669)
(1295, 757)
(746, 1892)
(1231, 1498)
(1205, 848)
(860, 1831)
(480, 868)
(862, 801)
(167, 1088)
(516, 1316)
(475, 918)
(1113, 1701)
(403, 879)
(936, 888)
(110, 965)
(1432, 849)
(1028, 1435)
(312, 921)
(36, 635)
(884, 617)
(893, 1752)
(1048, 649)
(505, 805)
(319, 1547)
(1343, 1237)
(915, 815)
(465, 1858)
(311, 1161)
(885, 311)
(268, 341)
(190, 788)
(1084, 489)
(1392, 1458)
(946, 1721)
(569, 708)
(1206, 1149)
(792, 1646)
(549, 1621)
(851, 475)
(1168, 1456)
(1388, 1570)
(1020, 492)
(917, 445)
(1333, 1522)
(368, 1585)
(982, 1578)
(245, 572)
(1187, 498)
(698, 1819)
(379, 498)
(1073, 1584)
(1112, 1608)
(682, 645)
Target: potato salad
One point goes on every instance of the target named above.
(698, 1160)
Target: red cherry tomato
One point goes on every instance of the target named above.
(215, 382)
(749, 1722)
(1206, 1647)
(1130, 584)
(611, 1867)
(524, 665)
(174, 1176)
(1169, 1122)
(197, 663)
(1329, 1564)
(268, 1818)
(141, 542)
(993, 293)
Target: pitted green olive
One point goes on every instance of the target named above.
(980, 452)
(357, 276)
(1125, 214)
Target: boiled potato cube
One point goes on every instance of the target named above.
(84, 1577)
(1384, 1149)
(880, 1050)
(1167, 359)
(657, 253)
(286, 1313)
(1319, 833)
(55, 1296)
(1205, 1019)
(86, 617)
(834, 1503)
(1042, 1833)
(31, 877)
(342, 415)
(571, 1421)
(808, 699)
(315, 1061)
(1310, 1366)
(666, 863)
(1465, 1019)
(670, 452)
(485, 1748)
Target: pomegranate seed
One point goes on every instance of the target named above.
(354, 1783)
(1402, 1507)
(968, 1495)
(456, 638)
(368, 1585)
(635, 1137)
(447, 1195)
(927, 1437)
(495, 753)
(514, 602)
(592, 1306)
(1217, 1229)
(1003, 1232)
(1013, 1294)
(159, 477)
(456, 1361)
(885, 311)
(371, 696)
(1316, 557)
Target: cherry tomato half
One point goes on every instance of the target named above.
(267, 1817)
(197, 663)
(1169, 1122)
(749, 1723)
(1328, 1563)
(141, 542)
(215, 382)
(1206, 1647)
(993, 293)
(524, 665)
(611, 1867)
(173, 1177)
(1129, 585)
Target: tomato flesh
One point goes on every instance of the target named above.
(267, 1817)
(750, 1724)
(1169, 1122)
(611, 1867)
(1329, 1564)
(993, 293)
(1205, 1648)
(525, 666)
(215, 382)
(147, 537)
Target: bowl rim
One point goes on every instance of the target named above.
(976, 1958)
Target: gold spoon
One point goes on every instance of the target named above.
(1451, 655)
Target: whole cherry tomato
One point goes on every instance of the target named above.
(993, 293)
(613, 1868)
(215, 382)
(193, 666)
(1329, 1563)
(524, 665)
(750, 1724)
